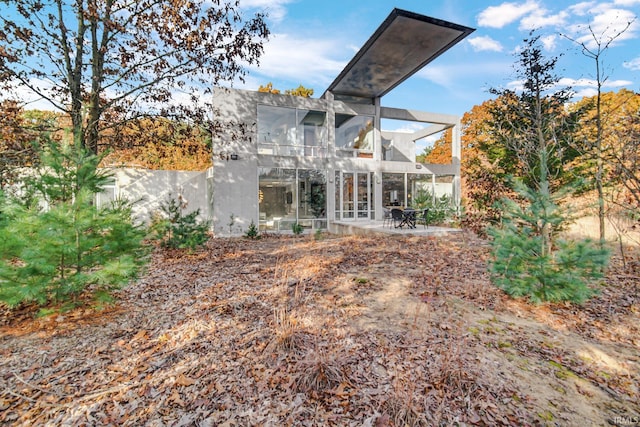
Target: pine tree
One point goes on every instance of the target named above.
(524, 264)
(178, 230)
(56, 244)
(528, 258)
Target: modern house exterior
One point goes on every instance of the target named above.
(318, 162)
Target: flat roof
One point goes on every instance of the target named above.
(403, 44)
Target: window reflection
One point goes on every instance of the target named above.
(354, 136)
(291, 132)
(289, 196)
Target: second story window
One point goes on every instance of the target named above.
(354, 136)
(291, 132)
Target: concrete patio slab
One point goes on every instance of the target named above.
(377, 227)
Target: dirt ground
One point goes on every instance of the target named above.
(345, 331)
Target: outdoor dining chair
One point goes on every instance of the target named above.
(397, 217)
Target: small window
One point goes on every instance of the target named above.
(108, 195)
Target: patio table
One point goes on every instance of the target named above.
(408, 218)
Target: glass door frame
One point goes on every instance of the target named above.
(360, 201)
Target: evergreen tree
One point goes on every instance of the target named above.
(56, 244)
(524, 264)
(527, 256)
(178, 230)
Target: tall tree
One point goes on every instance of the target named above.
(594, 47)
(21, 133)
(485, 167)
(533, 125)
(92, 57)
(440, 153)
(528, 258)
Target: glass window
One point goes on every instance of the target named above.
(108, 195)
(291, 132)
(419, 189)
(313, 132)
(393, 193)
(312, 194)
(287, 196)
(276, 197)
(354, 135)
(338, 210)
(444, 186)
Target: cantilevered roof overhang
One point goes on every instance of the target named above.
(403, 44)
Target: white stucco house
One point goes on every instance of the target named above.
(318, 162)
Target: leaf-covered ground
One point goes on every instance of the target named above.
(345, 331)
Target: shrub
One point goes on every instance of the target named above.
(441, 208)
(297, 228)
(177, 230)
(252, 232)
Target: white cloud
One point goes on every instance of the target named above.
(549, 42)
(506, 13)
(482, 43)
(586, 92)
(633, 65)
(566, 81)
(540, 18)
(32, 101)
(617, 83)
(626, 3)
(300, 59)
(582, 8)
(275, 9)
(607, 25)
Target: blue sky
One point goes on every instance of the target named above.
(313, 40)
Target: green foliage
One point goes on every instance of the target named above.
(296, 228)
(317, 201)
(441, 208)
(252, 232)
(56, 244)
(533, 130)
(524, 263)
(177, 230)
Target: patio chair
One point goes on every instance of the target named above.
(424, 218)
(397, 217)
(387, 219)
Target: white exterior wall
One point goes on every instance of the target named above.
(148, 188)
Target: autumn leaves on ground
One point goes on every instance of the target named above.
(362, 331)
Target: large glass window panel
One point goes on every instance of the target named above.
(313, 132)
(419, 189)
(277, 128)
(354, 135)
(277, 197)
(393, 192)
(312, 194)
(444, 186)
(291, 132)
